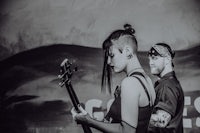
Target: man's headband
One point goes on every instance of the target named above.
(161, 50)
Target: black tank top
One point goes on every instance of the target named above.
(114, 114)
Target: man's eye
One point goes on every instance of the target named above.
(154, 57)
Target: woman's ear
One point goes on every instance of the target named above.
(128, 51)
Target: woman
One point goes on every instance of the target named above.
(131, 109)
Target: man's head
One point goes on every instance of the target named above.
(160, 59)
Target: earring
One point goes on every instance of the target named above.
(130, 56)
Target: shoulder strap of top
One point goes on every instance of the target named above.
(139, 73)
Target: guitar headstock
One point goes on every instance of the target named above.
(66, 72)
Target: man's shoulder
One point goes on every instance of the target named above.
(170, 85)
(169, 82)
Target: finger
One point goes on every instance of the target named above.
(73, 110)
(74, 113)
(82, 110)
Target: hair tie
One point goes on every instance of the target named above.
(128, 28)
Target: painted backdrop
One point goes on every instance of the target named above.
(33, 102)
(35, 36)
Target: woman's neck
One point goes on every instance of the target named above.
(133, 66)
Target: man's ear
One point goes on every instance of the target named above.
(168, 60)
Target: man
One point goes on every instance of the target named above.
(168, 108)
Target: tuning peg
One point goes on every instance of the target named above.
(60, 76)
(64, 62)
(61, 84)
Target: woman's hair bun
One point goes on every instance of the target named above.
(128, 27)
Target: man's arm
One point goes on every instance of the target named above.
(160, 119)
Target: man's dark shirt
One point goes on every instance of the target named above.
(170, 98)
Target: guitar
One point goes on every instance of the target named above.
(65, 76)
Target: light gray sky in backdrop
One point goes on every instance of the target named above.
(89, 22)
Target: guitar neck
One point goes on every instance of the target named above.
(72, 95)
(65, 77)
(76, 102)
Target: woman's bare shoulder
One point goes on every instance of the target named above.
(131, 84)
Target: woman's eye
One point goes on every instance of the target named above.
(111, 55)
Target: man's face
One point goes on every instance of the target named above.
(156, 64)
(116, 59)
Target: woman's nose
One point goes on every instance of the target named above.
(109, 61)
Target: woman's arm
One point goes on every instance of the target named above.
(130, 89)
(109, 127)
(106, 127)
(129, 111)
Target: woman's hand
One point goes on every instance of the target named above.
(81, 117)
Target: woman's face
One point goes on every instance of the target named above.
(116, 59)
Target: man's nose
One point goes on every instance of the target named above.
(150, 62)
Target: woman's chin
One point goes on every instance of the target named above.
(154, 72)
(116, 70)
